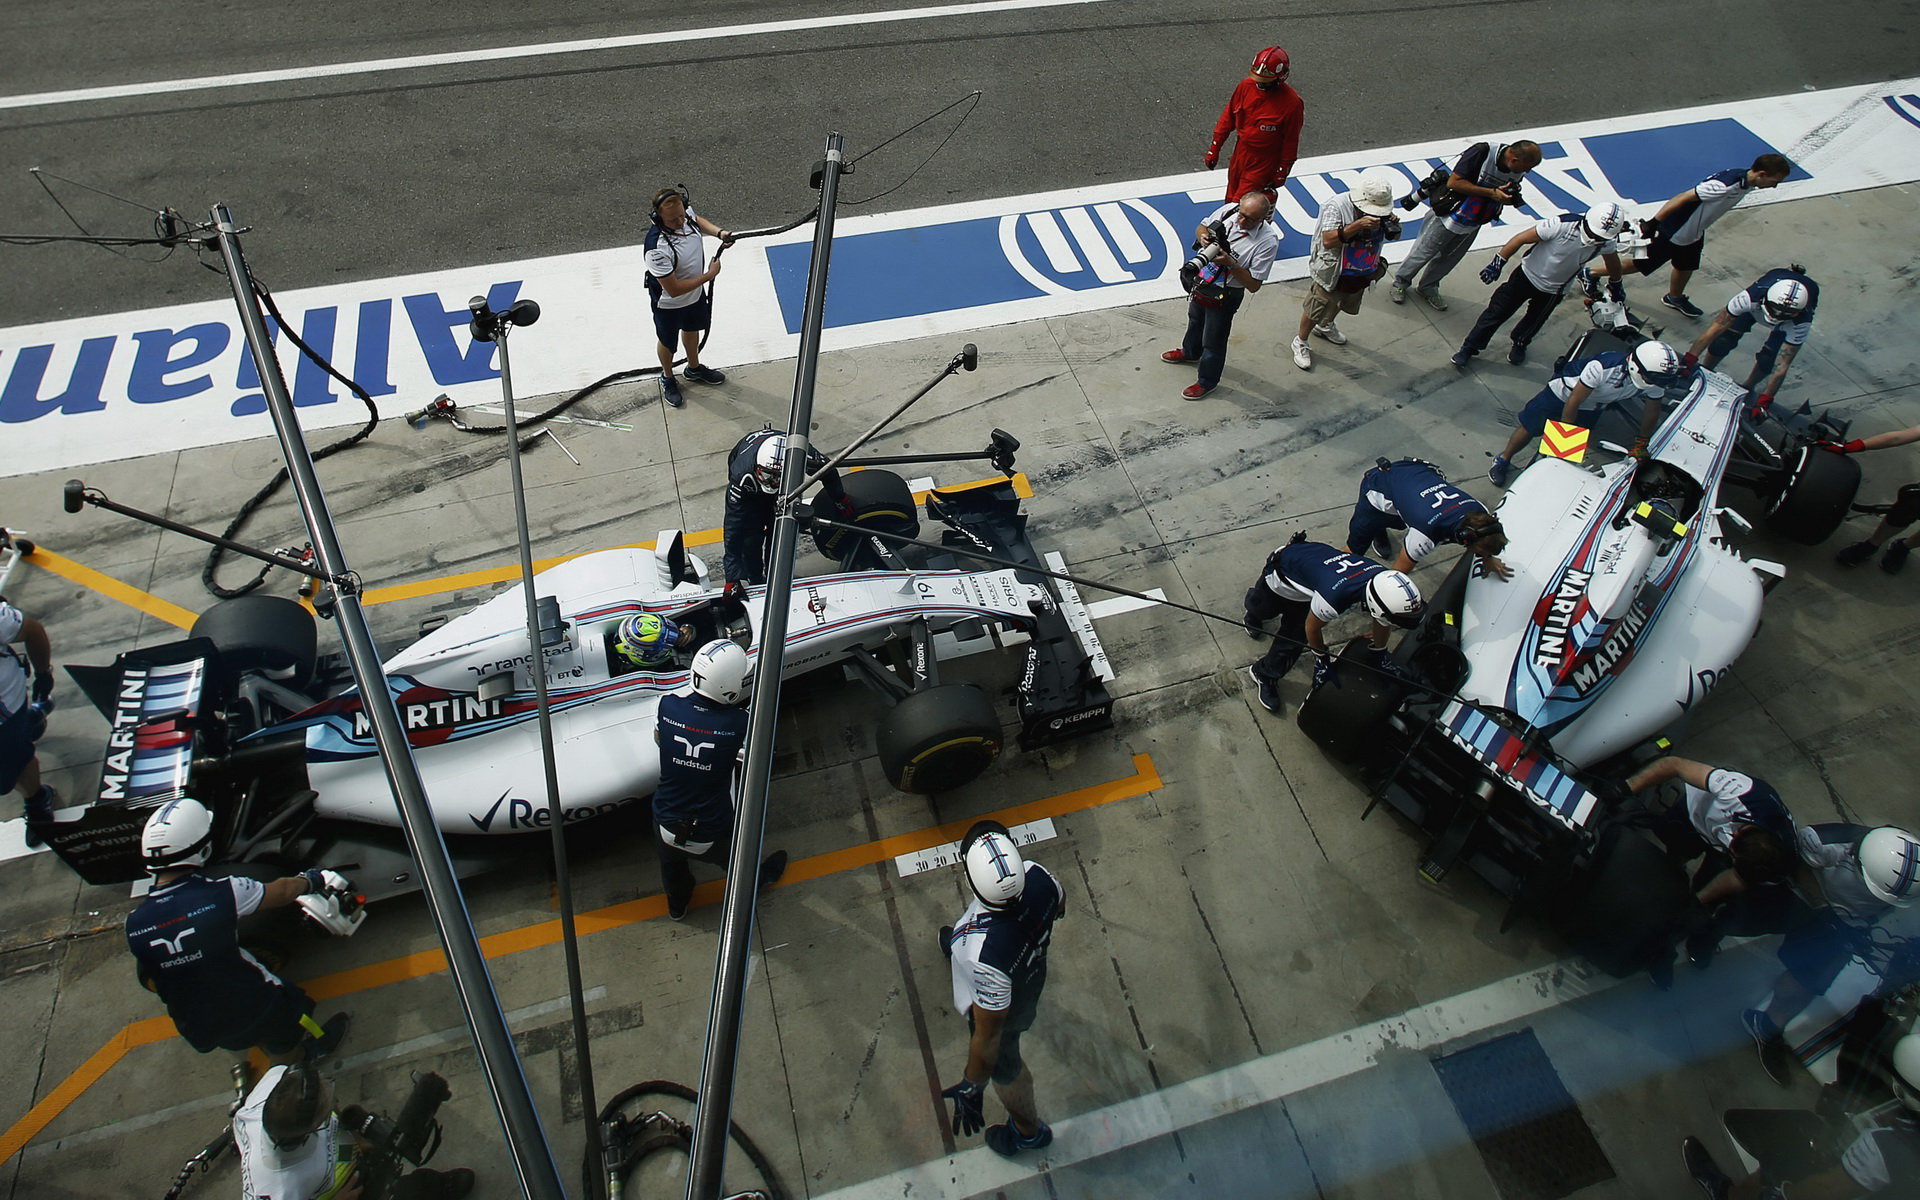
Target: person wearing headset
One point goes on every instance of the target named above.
(677, 277)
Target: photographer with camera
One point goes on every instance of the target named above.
(1353, 228)
(1234, 253)
(1263, 116)
(1485, 180)
(288, 1137)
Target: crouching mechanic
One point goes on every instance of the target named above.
(1585, 389)
(1414, 496)
(753, 483)
(701, 733)
(185, 938)
(998, 953)
(1904, 510)
(288, 1136)
(1306, 585)
(1783, 300)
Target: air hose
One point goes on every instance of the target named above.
(626, 1141)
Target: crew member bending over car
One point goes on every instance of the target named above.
(1306, 585)
(1580, 393)
(702, 734)
(1783, 300)
(753, 481)
(1904, 511)
(1412, 495)
(1558, 250)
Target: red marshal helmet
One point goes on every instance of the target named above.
(1271, 64)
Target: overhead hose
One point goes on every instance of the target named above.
(671, 1134)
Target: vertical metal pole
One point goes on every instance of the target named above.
(537, 665)
(533, 1162)
(714, 1111)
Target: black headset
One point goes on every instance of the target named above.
(660, 197)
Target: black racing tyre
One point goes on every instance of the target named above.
(1344, 718)
(270, 634)
(1817, 496)
(880, 500)
(939, 739)
(1629, 910)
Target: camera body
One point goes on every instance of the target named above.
(1390, 226)
(1203, 275)
(388, 1142)
(1433, 191)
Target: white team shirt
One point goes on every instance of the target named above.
(1839, 874)
(13, 662)
(302, 1173)
(1255, 247)
(1610, 385)
(1742, 305)
(1717, 198)
(681, 253)
(1552, 262)
(1287, 589)
(975, 984)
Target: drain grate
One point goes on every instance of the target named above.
(1529, 1132)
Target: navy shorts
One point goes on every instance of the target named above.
(670, 323)
(1906, 507)
(16, 747)
(1547, 406)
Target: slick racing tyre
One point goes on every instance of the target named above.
(879, 500)
(1819, 492)
(939, 739)
(1629, 910)
(1344, 717)
(270, 634)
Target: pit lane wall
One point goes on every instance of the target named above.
(99, 389)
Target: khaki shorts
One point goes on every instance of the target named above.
(1323, 306)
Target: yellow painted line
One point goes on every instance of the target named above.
(113, 589)
(1145, 778)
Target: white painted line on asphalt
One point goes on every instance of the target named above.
(1113, 606)
(1119, 1126)
(948, 853)
(414, 62)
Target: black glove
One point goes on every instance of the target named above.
(1649, 228)
(1322, 670)
(43, 685)
(1492, 270)
(969, 1115)
(1381, 660)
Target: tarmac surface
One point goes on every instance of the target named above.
(1232, 923)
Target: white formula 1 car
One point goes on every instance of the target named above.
(233, 714)
(1524, 701)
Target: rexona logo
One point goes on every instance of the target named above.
(525, 814)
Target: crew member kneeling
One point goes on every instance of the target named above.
(1306, 585)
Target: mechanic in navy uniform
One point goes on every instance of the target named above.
(1854, 877)
(1745, 837)
(1583, 390)
(26, 695)
(701, 733)
(1680, 225)
(1306, 585)
(1883, 1157)
(1783, 300)
(1411, 494)
(998, 955)
(185, 938)
(677, 277)
(1558, 249)
(1904, 511)
(753, 480)
(1485, 179)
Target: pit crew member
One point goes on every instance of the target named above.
(753, 481)
(677, 277)
(26, 695)
(185, 938)
(1557, 249)
(1306, 585)
(1264, 115)
(1679, 228)
(702, 733)
(1486, 179)
(1585, 389)
(1783, 300)
(288, 1138)
(998, 955)
(1412, 495)
(1904, 511)
(1252, 243)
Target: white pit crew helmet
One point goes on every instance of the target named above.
(178, 835)
(995, 870)
(1393, 599)
(1603, 223)
(766, 461)
(1906, 1071)
(1654, 367)
(1785, 300)
(722, 672)
(1890, 865)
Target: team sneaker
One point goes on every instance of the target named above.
(772, 868)
(1589, 285)
(333, 1031)
(1397, 293)
(1434, 299)
(1269, 691)
(1253, 626)
(1007, 1141)
(1518, 355)
(1461, 358)
(1682, 305)
(39, 811)
(670, 391)
(677, 908)
(1895, 557)
(1770, 1042)
(1704, 1171)
(1854, 555)
(705, 374)
(1331, 332)
(1302, 355)
(1500, 474)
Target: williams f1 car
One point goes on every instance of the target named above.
(244, 716)
(1520, 703)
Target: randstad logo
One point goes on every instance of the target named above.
(1089, 246)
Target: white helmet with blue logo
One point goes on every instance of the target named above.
(1785, 300)
(995, 870)
(1890, 865)
(1393, 599)
(177, 836)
